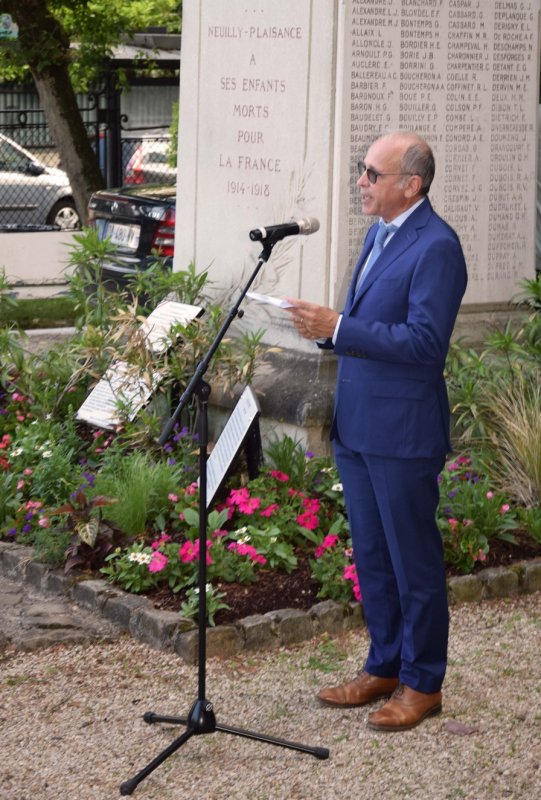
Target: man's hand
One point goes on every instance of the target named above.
(312, 321)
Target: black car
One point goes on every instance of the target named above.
(139, 221)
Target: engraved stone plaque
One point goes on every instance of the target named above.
(279, 100)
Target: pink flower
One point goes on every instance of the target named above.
(43, 522)
(505, 508)
(490, 495)
(238, 496)
(280, 476)
(20, 485)
(481, 556)
(173, 497)
(308, 520)
(452, 522)
(250, 505)
(269, 511)
(350, 574)
(164, 538)
(328, 542)
(158, 562)
(311, 504)
(27, 471)
(247, 550)
(192, 488)
(189, 551)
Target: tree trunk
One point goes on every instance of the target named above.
(46, 50)
(77, 157)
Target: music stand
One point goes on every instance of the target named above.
(201, 718)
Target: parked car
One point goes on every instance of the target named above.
(32, 193)
(139, 221)
(150, 164)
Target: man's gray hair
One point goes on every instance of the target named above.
(419, 160)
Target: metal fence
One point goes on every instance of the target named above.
(34, 190)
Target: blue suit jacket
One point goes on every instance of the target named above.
(391, 398)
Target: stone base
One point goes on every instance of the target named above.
(168, 630)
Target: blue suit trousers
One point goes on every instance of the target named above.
(391, 505)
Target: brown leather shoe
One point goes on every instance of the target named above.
(360, 691)
(406, 709)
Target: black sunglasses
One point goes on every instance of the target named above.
(373, 174)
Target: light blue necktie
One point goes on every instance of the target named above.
(383, 231)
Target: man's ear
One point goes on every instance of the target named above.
(413, 186)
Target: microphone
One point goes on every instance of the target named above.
(277, 232)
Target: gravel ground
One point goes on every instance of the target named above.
(71, 721)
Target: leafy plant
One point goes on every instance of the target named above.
(129, 568)
(514, 447)
(530, 518)
(92, 539)
(288, 456)
(214, 602)
(140, 485)
(333, 566)
(496, 400)
(471, 514)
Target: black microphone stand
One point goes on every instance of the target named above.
(201, 718)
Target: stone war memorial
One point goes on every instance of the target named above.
(278, 102)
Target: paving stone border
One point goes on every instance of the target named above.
(168, 630)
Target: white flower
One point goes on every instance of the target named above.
(242, 530)
(47, 454)
(243, 539)
(140, 558)
(17, 451)
(337, 487)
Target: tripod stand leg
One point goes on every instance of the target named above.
(129, 786)
(318, 752)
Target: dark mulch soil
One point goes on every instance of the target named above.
(274, 590)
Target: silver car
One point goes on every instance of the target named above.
(32, 193)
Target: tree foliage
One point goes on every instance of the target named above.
(63, 44)
(81, 35)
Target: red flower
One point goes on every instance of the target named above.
(308, 520)
(328, 542)
(189, 551)
(280, 476)
(269, 511)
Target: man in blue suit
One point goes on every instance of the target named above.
(391, 427)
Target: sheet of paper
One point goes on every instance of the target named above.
(266, 298)
(118, 386)
(230, 441)
(157, 325)
(121, 387)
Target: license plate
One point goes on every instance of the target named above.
(126, 236)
